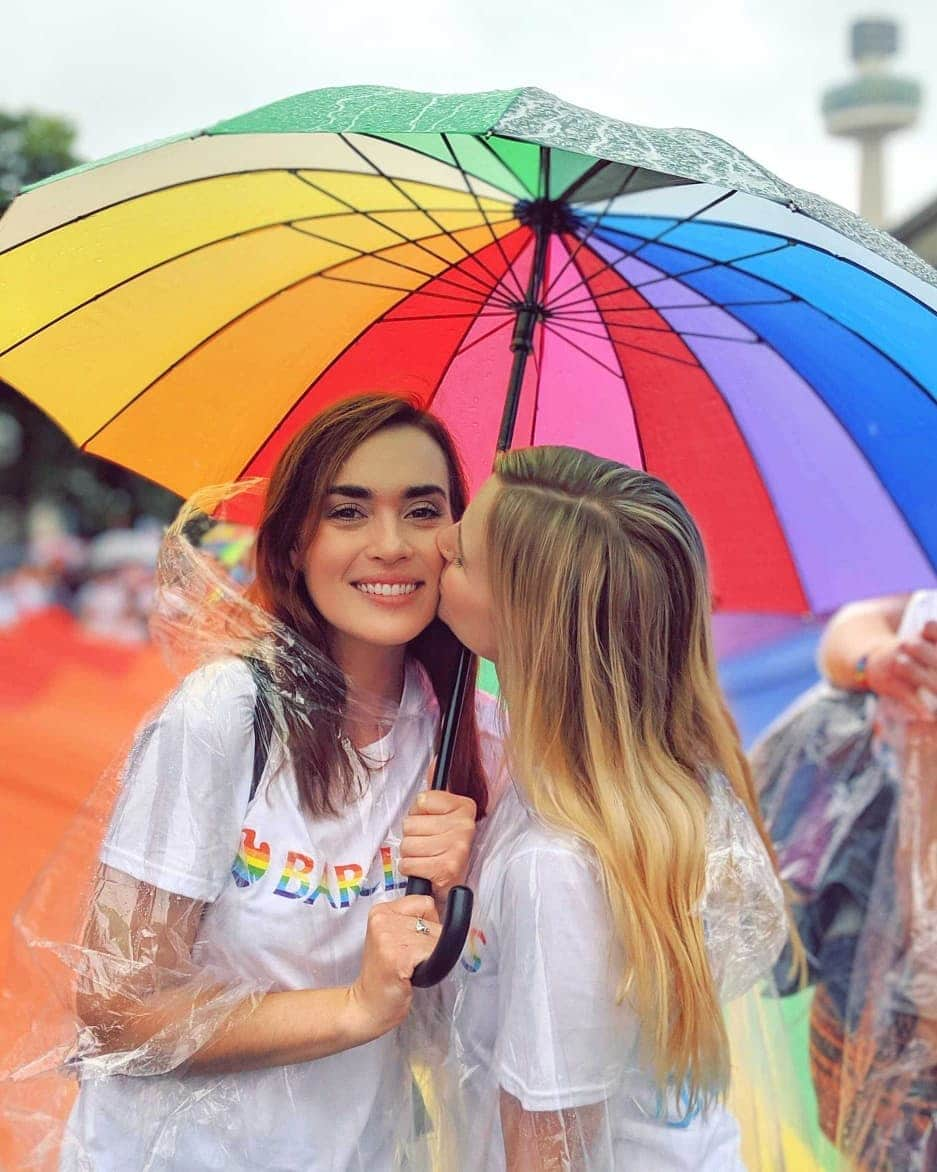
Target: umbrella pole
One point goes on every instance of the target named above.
(529, 312)
(458, 916)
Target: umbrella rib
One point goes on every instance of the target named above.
(709, 264)
(449, 316)
(575, 345)
(755, 340)
(626, 254)
(444, 373)
(587, 176)
(787, 298)
(227, 325)
(198, 346)
(536, 355)
(583, 240)
(503, 324)
(825, 406)
(413, 203)
(372, 217)
(790, 298)
(443, 276)
(381, 319)
(330, 276)
(140, 273)
(560, 331)
(765, 485)
(482, 139)
(181, 183)
(621, 374)
(471, 190)
(703, 268)
(161, 264)
(708, 305)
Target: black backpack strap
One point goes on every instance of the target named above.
(263, 722)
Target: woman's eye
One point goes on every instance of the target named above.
(424, 513)
(345, 513)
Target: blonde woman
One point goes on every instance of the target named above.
(624, 888)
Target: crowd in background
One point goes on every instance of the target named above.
(105, 581)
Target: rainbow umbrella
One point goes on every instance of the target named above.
(652, 295)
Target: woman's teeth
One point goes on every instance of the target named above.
(385, 588)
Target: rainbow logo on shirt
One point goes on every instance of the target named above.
(294, 881)
(338, 884)
(471, 958)
(252, 860)
(349, 876)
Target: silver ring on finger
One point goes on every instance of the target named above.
(421, 925)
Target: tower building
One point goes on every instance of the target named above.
(874, 105)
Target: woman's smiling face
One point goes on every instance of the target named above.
(465, 593)
(372, 568)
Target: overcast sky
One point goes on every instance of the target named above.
(749, 70)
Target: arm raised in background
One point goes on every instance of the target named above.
(861, 651)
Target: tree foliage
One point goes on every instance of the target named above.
(32, 147)
(37, 460)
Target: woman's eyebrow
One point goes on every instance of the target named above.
(355, 491)
(416, 490)
(359, 493)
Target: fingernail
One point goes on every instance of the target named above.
(421, 802)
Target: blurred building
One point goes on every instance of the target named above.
(871, 107)
(919, 232)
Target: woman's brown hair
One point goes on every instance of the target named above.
(295, 496)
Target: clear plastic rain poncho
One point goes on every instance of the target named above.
(848, 786)
(192, 886)
(539, 1046)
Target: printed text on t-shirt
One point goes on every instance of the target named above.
(302, 877)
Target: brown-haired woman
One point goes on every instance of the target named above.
(251, 950)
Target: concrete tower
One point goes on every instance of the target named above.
(871, 107)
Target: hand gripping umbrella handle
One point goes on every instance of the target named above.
(455, 927)
(458, 917)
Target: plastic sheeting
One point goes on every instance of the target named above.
(538, 1042)
(848, 787)
(182, 899)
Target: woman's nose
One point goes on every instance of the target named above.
(389, 540)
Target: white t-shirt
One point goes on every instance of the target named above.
(533, 998)
(287, 901)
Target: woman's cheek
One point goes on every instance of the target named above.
(433, 560)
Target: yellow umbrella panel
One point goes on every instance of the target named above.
(169, 308)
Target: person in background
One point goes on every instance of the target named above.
(847, 779)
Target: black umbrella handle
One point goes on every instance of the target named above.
(455, 928)
(458, 917)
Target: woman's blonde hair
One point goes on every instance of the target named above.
(605, 659)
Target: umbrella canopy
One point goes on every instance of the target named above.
(183, 309)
